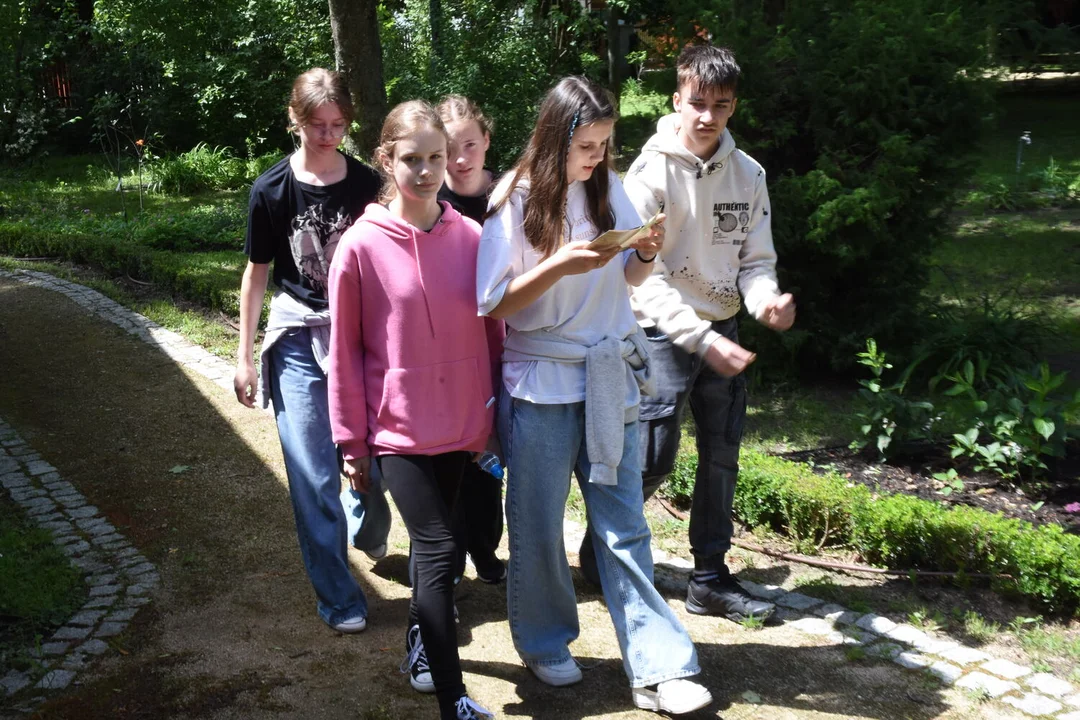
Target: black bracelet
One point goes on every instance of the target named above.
(643, 259)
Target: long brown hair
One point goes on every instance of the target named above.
(574, 102)
(405, 119)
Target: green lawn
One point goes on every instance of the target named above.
(1028, 260)
(69, 188)
(1054, 124)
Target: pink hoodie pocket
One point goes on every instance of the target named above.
(432, 406)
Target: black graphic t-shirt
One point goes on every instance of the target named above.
(297, 226)
(470, 207)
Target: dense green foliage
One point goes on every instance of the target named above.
(865, 115)
(503, 54)
(178, 73)
(1042, 563)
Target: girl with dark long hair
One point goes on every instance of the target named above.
(573, 362)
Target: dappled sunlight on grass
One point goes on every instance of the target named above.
(1029, 259)
(787, 419)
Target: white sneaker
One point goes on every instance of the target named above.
(558, 675)
(673, 696)
(376, 553)
(351, 625)
(467, 709)
(416, 663)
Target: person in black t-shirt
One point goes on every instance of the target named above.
(468, 183)
(478, 521)
(297, 213)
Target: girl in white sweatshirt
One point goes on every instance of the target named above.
(574, 357)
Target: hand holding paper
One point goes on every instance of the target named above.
(650, 244)
(623, 239)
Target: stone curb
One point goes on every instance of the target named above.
(1038, 695)
(75, 524)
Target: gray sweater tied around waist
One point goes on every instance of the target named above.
(605, 412)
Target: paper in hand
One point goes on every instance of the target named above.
(623, 238)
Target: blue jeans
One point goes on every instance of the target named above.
(368, 514)
(298, 390)
(718, 405)
(543, 445)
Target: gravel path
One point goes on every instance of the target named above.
(121, 580)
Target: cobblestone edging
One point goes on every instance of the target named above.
(120, 579)
(1035, 694)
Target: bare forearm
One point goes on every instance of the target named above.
(527, 288)
(636, 271)
(252, 292)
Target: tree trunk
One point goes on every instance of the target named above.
(615, 56)
(358, 54)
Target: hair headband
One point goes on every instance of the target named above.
(573, 126)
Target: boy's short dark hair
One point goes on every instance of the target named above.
(707, 67)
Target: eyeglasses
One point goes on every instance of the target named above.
(334, 133)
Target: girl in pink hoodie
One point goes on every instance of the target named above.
(411, 374)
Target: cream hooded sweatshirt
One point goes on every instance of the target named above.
(718, 243)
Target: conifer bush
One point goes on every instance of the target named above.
(865, 116)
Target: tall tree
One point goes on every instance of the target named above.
(358, 54)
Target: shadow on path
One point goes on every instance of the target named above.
(233, 633)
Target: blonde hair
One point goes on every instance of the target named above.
(458, 107)
(316, 88)
(404, 120)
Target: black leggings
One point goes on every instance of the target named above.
(425, 490)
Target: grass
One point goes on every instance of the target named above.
(1029, 260)
(1047, 642)
(1054, 133)
(39, 588)
(979, 628)
(74, 186)
(927, 620)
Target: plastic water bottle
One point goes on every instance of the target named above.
(489, 463)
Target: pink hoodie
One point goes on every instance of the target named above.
(411, 361)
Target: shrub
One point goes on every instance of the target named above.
(898, 531)
(679, 486)
(888, 417)
(204, 168)
(210, 279)
(865, 115)
(1023, 414)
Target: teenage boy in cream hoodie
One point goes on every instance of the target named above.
(718, 251)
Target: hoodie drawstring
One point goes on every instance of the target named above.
(420, 272)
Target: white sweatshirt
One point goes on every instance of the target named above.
(718, 241)
(582, 309)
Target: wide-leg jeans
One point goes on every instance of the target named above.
(543, 445)
(299, 393)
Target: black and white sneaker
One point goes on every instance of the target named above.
(724, 596)
(416, 662)
(467, 709)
